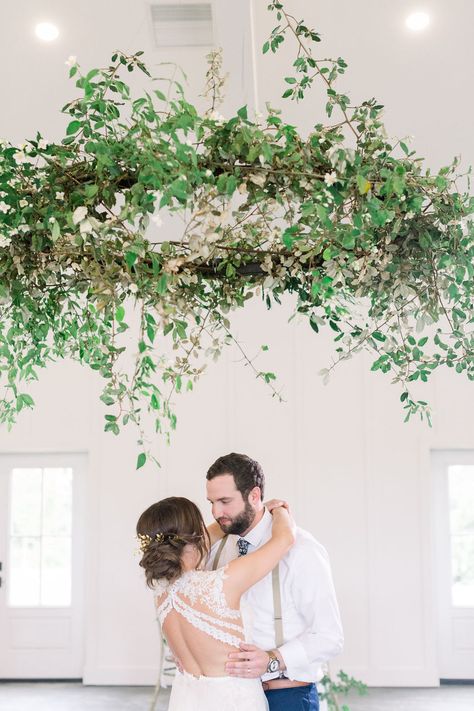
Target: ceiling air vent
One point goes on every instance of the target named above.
(182, 25)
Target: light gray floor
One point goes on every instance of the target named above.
(75, 697)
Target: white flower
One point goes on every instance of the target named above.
(79, 214)
(23, 203)
(216, 116)
(59, 196)
(42, 144)
(172, 265)
(86, 227)
(208, 173)
(133, 288)
(20, 157)
(330, 178)
(5, 241)
(71, 61)
(258, 178)
(4, 207)
(157, 220)
(52, 220)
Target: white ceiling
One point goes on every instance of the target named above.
(424, 80)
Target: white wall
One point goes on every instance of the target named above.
(357, 477)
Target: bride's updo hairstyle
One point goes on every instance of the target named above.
(163, 530)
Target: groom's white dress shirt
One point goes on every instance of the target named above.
(312, 629)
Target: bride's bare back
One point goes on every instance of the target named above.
(198, 622)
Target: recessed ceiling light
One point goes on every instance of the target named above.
(418, 21)
(46, 31)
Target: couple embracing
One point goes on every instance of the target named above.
(247, 605)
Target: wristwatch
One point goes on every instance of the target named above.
(274, 662)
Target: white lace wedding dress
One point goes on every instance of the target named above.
(198, 597)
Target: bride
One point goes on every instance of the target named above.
(199, 610)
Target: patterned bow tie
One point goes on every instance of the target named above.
(243, 546)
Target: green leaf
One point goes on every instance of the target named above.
(141, 460)
(150, 331)
(27, 400)
(243, 113)
(91, 190)
(131, 258)
(73, 127)
(363, 184)
(120, 313)
(265, 47)
(162, 284)
(348, 241)
(55, 231)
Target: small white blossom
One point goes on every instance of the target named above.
(23, 203)
(330, 178)
(4, 207)
(20, 157)
(71, 61)
(5, 241)
(133, 288)
(79, 214)
(59, 196)
(216, 116)
(258, 178)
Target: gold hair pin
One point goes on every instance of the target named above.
(145, 540)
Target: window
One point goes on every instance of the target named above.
(40, 539)
(461, 523)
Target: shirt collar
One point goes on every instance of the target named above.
(257, 534)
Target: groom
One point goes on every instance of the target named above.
(296, 623)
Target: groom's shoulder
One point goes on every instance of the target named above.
(306, 546)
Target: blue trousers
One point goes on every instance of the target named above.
(299, 698)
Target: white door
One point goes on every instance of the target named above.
(41, 549)
(454, 555)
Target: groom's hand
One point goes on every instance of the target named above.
(250, 663)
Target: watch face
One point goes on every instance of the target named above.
(273, 665)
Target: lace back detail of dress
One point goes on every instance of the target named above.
(203, 589)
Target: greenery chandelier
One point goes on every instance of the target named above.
(347, 220)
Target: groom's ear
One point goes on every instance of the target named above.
(255, 495)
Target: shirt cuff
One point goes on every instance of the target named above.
(296, 660)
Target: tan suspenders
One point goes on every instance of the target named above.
(219, 553)
(277, 611)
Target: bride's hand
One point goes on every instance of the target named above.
(276, 503)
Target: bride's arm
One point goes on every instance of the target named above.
(248, 570)
(215, 532)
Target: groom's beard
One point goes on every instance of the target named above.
(241, 523)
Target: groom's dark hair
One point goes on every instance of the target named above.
(247, 472)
